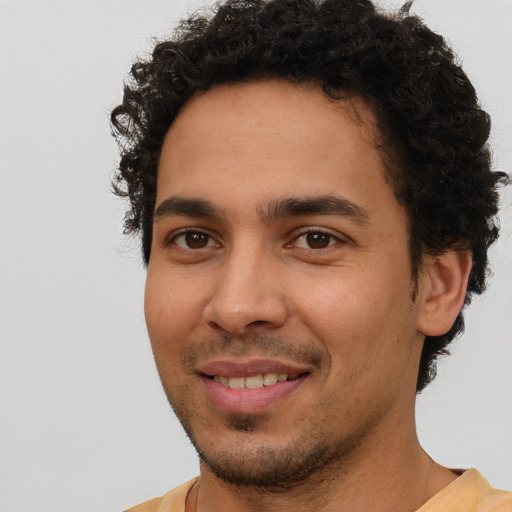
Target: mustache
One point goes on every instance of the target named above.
(255, 345)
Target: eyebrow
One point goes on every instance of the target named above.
(188, 207)
(273, 211)
(317, 205)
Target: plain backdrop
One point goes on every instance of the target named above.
(84, 425)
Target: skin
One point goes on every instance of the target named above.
(328, 292)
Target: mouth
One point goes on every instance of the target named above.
(250, 386)
(254, 381)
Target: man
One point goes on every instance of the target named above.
(313, 188)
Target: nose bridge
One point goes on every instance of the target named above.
(247, 292)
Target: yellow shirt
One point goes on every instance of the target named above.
(469, 493)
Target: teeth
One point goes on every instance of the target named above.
(254, 381)
(237, 382)
(269, 379)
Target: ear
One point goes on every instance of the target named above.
(443, 285)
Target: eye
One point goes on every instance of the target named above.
(315, 240)
(193, 240)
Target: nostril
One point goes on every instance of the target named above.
(215, 326)
(258, 322)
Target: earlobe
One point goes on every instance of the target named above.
(444, 281)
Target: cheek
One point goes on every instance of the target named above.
(360, 318)
(350, 300)
(166, 331)
(170, 311)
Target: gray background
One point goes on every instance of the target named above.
(84, 425)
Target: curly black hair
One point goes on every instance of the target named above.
(432, 132)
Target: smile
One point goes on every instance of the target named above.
(254, 381)
(251, 394)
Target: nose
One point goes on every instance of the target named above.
(248, 295)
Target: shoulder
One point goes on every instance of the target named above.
(173, 501)
(495, 500)
(471, 492)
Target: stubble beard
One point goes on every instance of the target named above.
(251, 463)
(309, 458)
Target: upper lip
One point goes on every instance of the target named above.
(248, 367)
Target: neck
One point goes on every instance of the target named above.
(389, 474)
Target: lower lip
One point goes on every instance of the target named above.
(247, 401)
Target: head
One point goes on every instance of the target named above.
(429, 129)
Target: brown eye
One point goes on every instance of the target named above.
(315, 240)
(318, 240)
(196, 240)
(193, 240)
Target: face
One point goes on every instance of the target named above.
(278, 297)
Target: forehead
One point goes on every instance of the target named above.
(271, 139)
(271, 107)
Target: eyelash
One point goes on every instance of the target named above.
(190, 231)
(332, 239)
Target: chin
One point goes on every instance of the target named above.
(248, 459)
